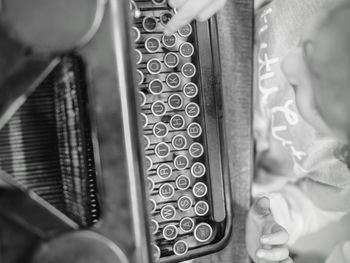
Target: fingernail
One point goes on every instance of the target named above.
(260, 254)
(264, 239)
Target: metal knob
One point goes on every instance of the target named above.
(80, 247)
(52, 26)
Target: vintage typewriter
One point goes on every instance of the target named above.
(183, 143)
(112, 143)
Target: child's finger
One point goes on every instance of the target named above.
(211, 10)
(188, 11)
(273, 254)
(262, 206)
(176, 3)
(279, 236)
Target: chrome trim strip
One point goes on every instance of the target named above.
(124, 68)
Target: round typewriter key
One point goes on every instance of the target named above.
(150, 184)
(154, 226)
(170, 232)
(203, 232)
(138, 56)
(190, 90)
(186, 224)
(144, 120)
(196, 150)
(146, 142)
(169, 41)
(183, 182)
(160, 130)
(139, 77)
(168, 212)
(159, 2)
(149, 23)
(166, 191)
(179, 142)
(177, 122)
(185, 31)
(156, 87)
(152, 205)
(194, 130)
(186, 50)
(173, 80)
(175, 101)
(154, 66)
(158, 108)
(181, 162)
(164, 171)
(184, 203)
(198, 170)
(162, 150)
(149, 163)
(199, 190)
(188, 70)
(136, 12)
(165, 18)
(192, 110)
(171, 60)
(142, 98)
(135, 34)
(180, 248)
(152, 44)
(201, 208)
(156, 252)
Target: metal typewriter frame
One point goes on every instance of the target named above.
(119, 10)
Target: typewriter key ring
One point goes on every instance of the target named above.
(52, 26)
(134, 9)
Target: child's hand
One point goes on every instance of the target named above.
(266, 240)
(190, 9)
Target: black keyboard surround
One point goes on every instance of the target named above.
(181, 118)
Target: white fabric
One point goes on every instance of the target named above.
(293, 210)
(341, 254)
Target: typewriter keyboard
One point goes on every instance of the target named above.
(174, 141)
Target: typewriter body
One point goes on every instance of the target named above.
(112, 136)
